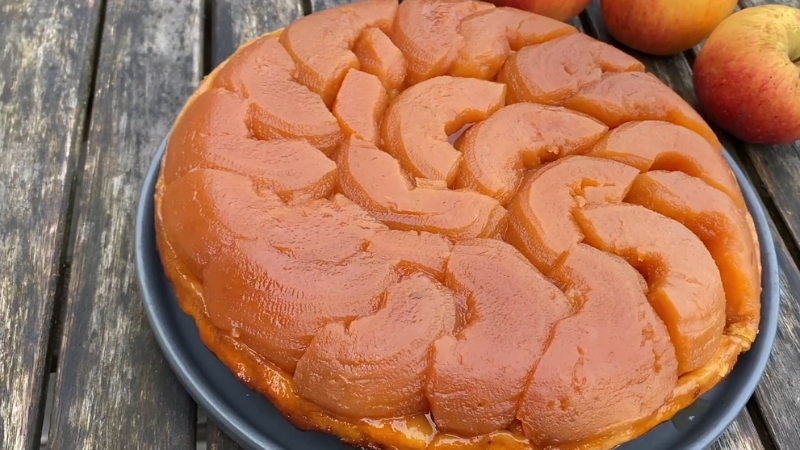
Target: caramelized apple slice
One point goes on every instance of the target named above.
(360, 105)
(491, 35)
(684, 283)
(623, 97)
(418, 122)
(320, 43)
(724, 230)
(279, 107)
(378, 56)
(320, 230)
(415, 251)
(278, 315)
(353, 370)
(205, 210)
(426, 31)
(214, 112)
(293, 169)
(558, 10)
(224, 205)
(540, 223)
(614, 347)
(552, 72)
(529, 133)
(375, 181)
(657, 145)
(335, 230)
(478, 376)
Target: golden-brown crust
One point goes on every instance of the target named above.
(416, 432)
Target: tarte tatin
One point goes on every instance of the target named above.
(448, 225)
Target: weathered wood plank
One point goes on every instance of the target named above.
(45, 72)
(114, 388)
(235, 22)
(749, 3)
(778, 167)
(741, 435)
(778, 394)
(218, 440)
(319, 5)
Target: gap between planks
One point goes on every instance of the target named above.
(124, 120)
(74, 51)
(68, 237)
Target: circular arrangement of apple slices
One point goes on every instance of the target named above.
(569, 272)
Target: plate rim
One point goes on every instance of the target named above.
(249, 436)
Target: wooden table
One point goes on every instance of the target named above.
(88, 89)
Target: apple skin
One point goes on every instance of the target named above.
(663, 27)
(747, 76)
(555, 9)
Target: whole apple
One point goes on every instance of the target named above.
(555, 9)
(663, 27)
(747, 76)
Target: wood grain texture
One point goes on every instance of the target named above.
(218, 440)
(749, 3)
(235, 22)
(778, 167)
(319, 5)
(46, 49)
(114, 389)
(778, 394)
(741, 435)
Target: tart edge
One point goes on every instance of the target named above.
(277, 386)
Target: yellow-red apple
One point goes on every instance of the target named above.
(663, 27)
(747, 76)
(555, 9)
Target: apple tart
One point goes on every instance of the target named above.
(448, 225)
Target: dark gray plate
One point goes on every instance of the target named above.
(254, 423)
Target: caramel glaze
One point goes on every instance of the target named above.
(416, 236)
(415, 432)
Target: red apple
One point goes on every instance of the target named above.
(747, 76)
(663, 27)
(555, 9)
